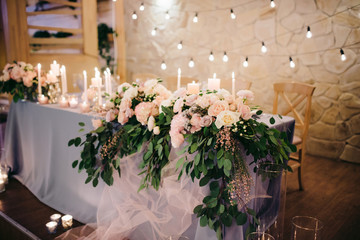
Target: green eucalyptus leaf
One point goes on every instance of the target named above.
(227, 164)
(204, 181)
(272, 120)
(197, 159)
(203, 221)
(241, 219)
(179, 162)
(81, 124)
(75, 163)
(100, 129)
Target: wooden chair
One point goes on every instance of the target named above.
(239, 85)
(300, 92)
(171, 82)
(143, 76)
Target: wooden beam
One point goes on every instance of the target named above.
(89, 24)
(67, 3)
(53, 47)
(61, 12)
(49, 41)
(118, 7)
(58, 29)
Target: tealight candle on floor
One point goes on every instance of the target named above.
(51, 226)
(2, 185)
(5, 177)
(67, 221)
(73, 102)
(55, 217)
(193, 88)
(85, 107)
(43, 99)
(64, 103)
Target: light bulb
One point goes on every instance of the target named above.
(153, 32)
(232, 14)
(134, 16)
(246, 63)
(263, 48)
(167, 15)
(211, 57)
(163, 65)
(142, 7)
(225, 57)
(272, 4)
(292, 64)
(191, 63)
(308, 34)
(343, 56)
(179, 46)
(195, 19)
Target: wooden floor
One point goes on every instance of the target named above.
(332, 194)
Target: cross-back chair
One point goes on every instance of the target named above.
(171, 82)
(303, 93)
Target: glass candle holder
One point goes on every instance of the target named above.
(73, 101)
(55, 218)
(51, 227)
(42, 99)
(259, 236)
(85, 107)
(63, 102)
(2, 185)
(67, 221)
(304, 227)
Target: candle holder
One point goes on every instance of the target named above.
(2, 185)
(73, 101)
(63, 101)
(51, 227)
(42, 99)
(55, 218)
(85, 107)
(67, 221)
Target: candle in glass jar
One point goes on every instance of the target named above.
(73, 102)
(55, 68)
(64, 103)
(51, 226)
(55, 217)
(85, 107)
(2, 185)
(214, 83)
(43, 99)
(179, 79)
(193, 88)
(5, 177)
(67, 221)
(39, 79)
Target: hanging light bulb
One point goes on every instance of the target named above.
(232, 14)
(167, 15)
(191, 63)
(153, 32)
(163, 65)
(308, 33)
(272, 4)
(225, 57)
(263, 48)
(292, 64)
(195, 19)
(179, 46)
(142, 7)
(246, 63)
(211, 57)
(134, 16)
(343, 56)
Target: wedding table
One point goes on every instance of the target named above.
(36, 144)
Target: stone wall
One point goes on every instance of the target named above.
(335, 125)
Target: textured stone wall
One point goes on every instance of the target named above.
(335, 125)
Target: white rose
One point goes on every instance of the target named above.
(162, 91)
(223, 93)
(246, 94)
(151, 123)
(131, 92)
(203, 101)
(96, 123)
(181, 92)
(156, 130)
(124, 85)
(149, 86)
(109, 105)
(226, 118)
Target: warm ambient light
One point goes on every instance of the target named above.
(134, 16)
(232, 14)
(195, 19)
(180, 46)
(225, 57)
(167, 15)
(211, 57)
(263, 48)
(246, 63)
(308, 33)
(272, 4)
(163, 65)
(153, 32)
(292, 64)
(191, 63)
(343, 56)
(142, 7)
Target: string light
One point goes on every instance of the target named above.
(134, 16)
(232, 14)
(142, 7)
(246, 63)
(211, 57)
(263, 48)
(163, 65)
(272, 4)
(195, 19)
(179, 46)
(153, 32)
(225, 57)
(167, 15)
(292, 64)
(343, 56)
(308, 33)
(191, 63)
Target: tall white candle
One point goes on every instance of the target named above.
(55, 68)
(63, 79)
(109, 75)
(214, 83)
(39, 78)
(106, 82)
(99, 94)
(179, 79)
(233, 84)
(85, 86)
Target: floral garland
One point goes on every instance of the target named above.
(213, 126)
(20, 80)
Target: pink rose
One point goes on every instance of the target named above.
(6, 76)
(245, 94)
(129, 113)
(203, 101)
(90, 92)
(110, 116)
(143, 111)
(195, 123)
(206, 121)
(178, 123)
(181, 92)
(17, 73)
(218, 107)
(190, 100)
(122, 119)
(51, 78)
(156, 130)
(7, 66)
(28, 81)
(96, 123)
(176, 139)
(213, 98)
(245, 111)
(125, 104)
(178, 105)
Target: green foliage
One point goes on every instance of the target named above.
(104, 45)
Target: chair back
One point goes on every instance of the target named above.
(143, 77)
(303, 93)
(171, 82)
(239, 85)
